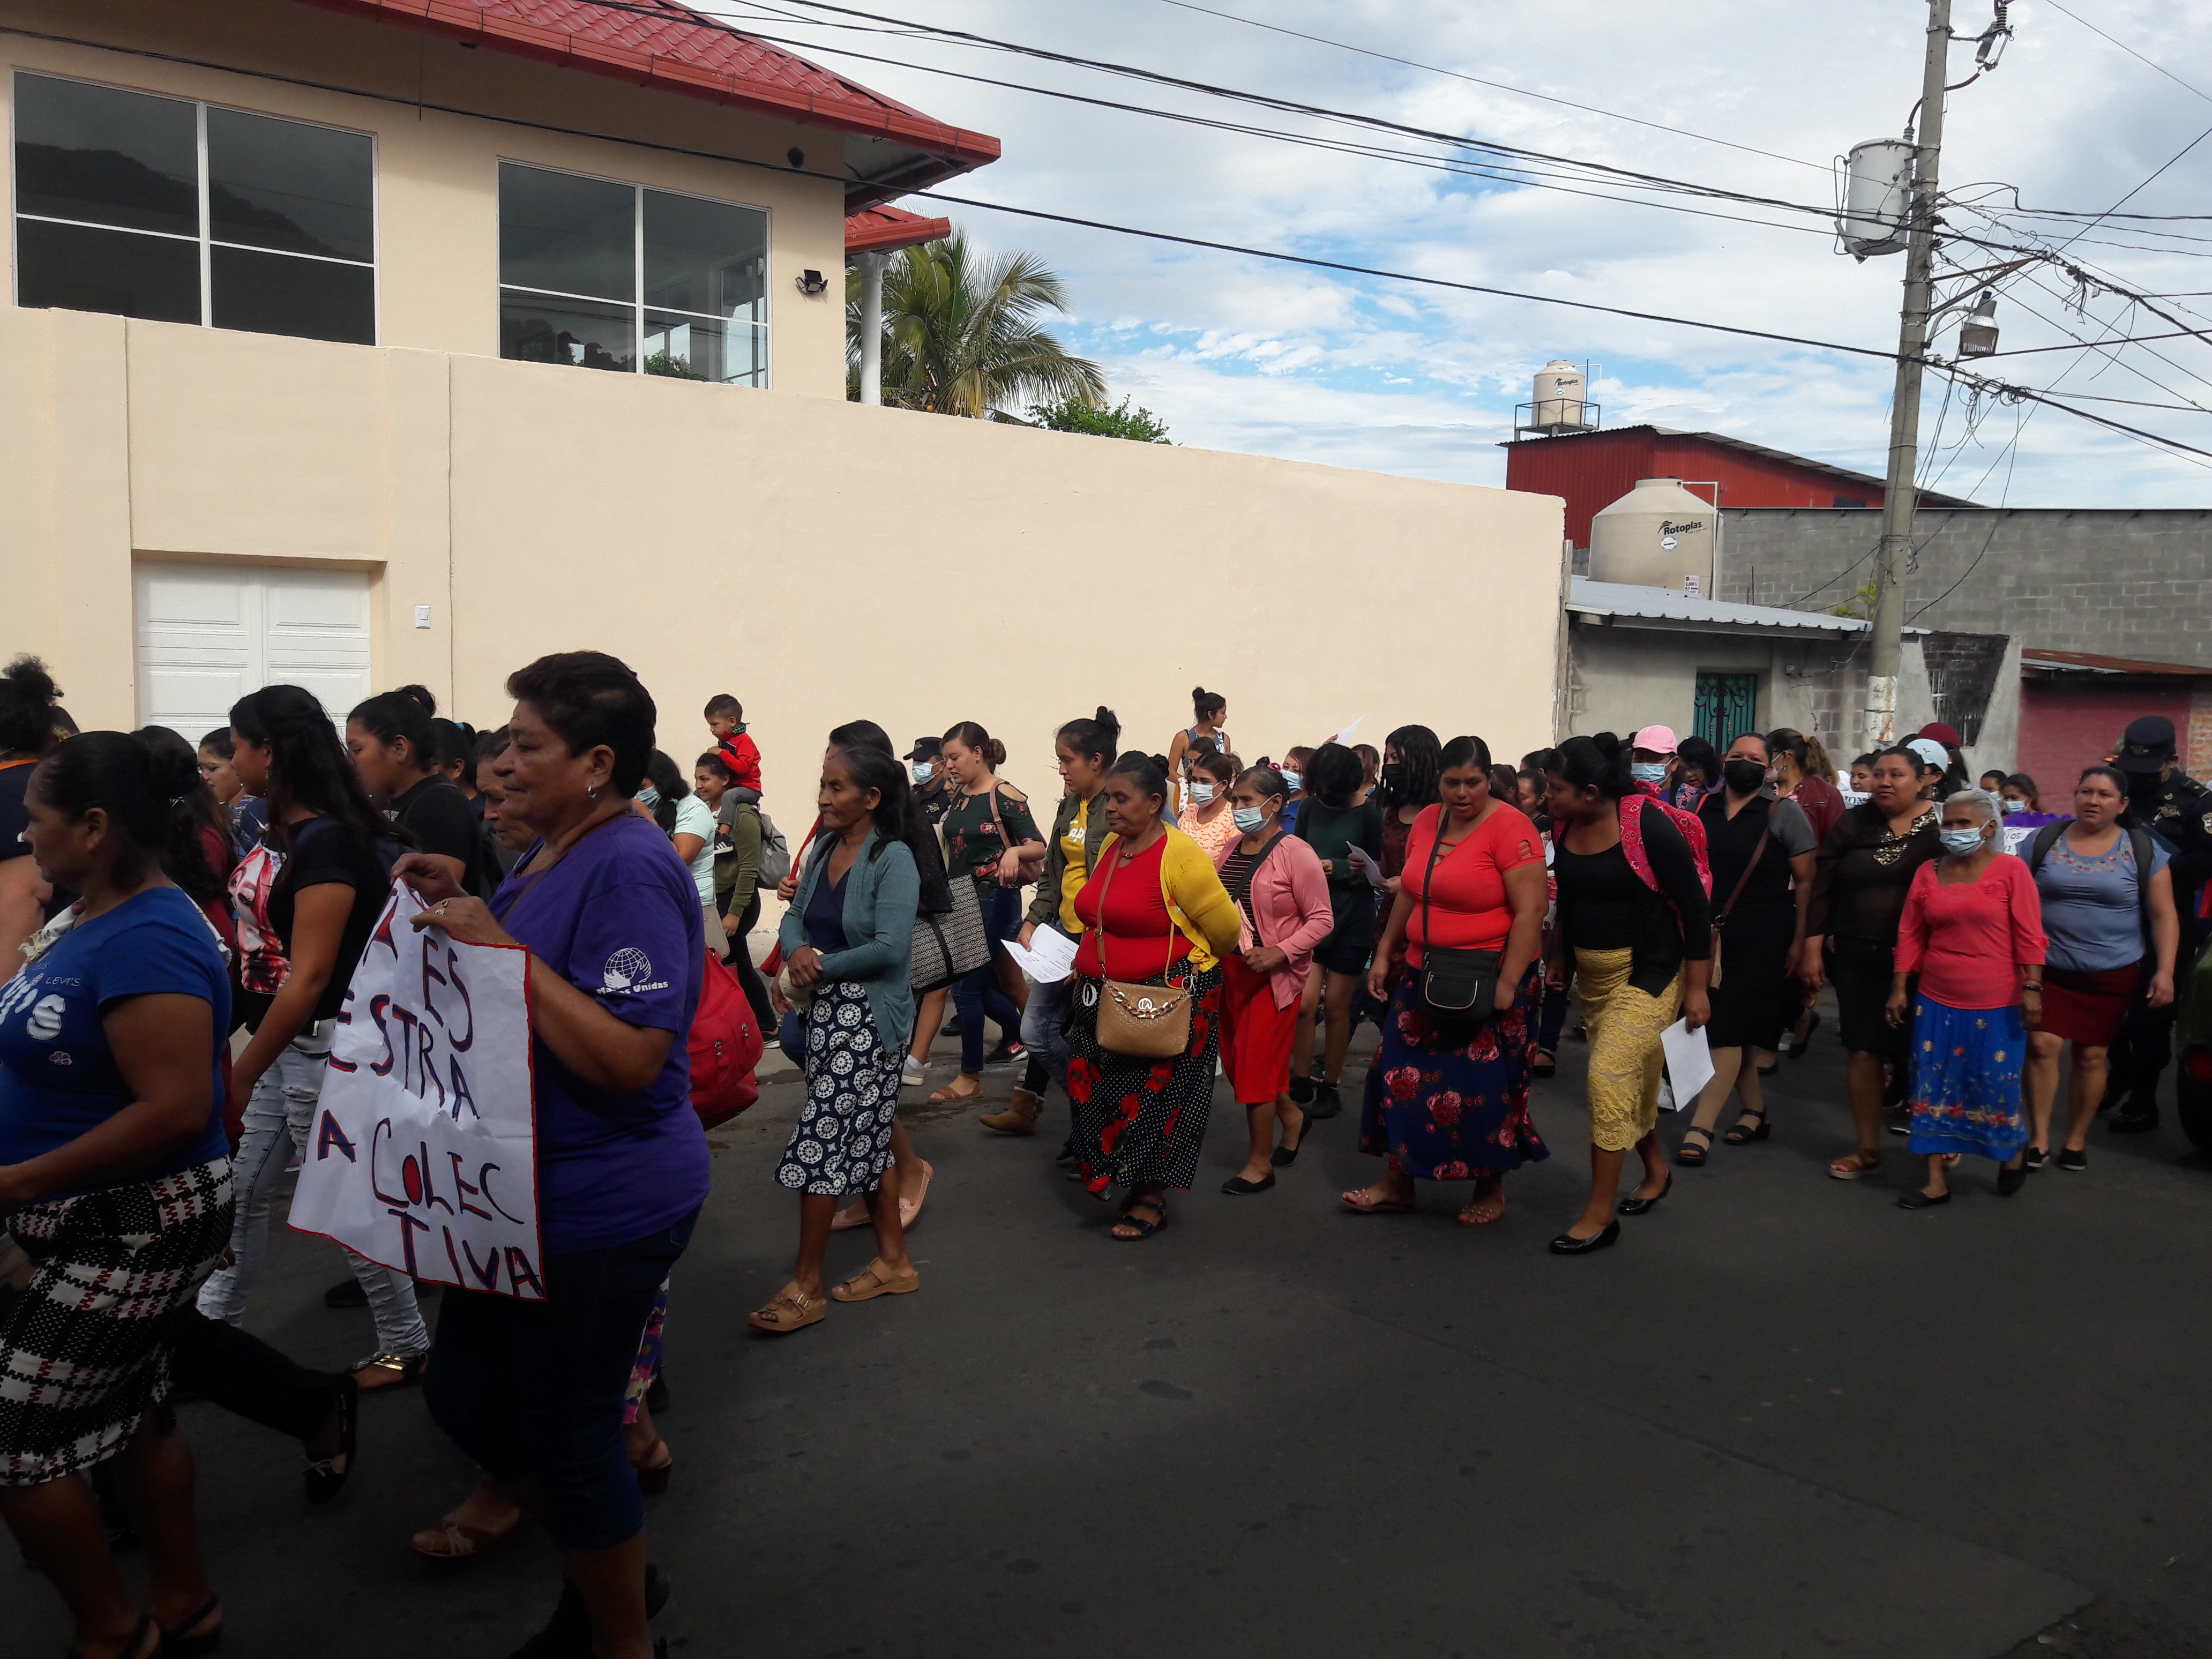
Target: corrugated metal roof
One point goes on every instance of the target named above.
(669, 47)
(1625, 605)
(2089, 662)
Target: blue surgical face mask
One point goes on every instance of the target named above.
(1292, 781)
(1202, 795)
(648, 797)
(1249, 818)
(2013, 807)
(1648, 771)
(924, 771)
(1962, 841)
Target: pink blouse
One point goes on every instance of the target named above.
(1210, 838)
(1969, 942)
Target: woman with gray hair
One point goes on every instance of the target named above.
(1973, 930)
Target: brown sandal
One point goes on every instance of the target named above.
(789, 1309)
(949, 1096)
(390, 1371)
(451, 1543)
(1854, 1166)
(873, 1281)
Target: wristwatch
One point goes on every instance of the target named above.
(2031, 985)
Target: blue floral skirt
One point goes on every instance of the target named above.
(1447, 1103)
(1964, 1094)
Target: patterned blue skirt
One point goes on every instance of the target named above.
(842, 1141)
(1966, 1093)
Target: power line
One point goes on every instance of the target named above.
(1500, 86)
(2131, 52)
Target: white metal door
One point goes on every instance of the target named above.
(209, 633)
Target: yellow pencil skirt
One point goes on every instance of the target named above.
(1624, 1024)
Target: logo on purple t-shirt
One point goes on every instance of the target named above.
(630, 971)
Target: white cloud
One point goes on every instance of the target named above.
(1246, 354)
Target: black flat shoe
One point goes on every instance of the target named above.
(1302, 1091)
(1567, 1244)
(2073, 1162)
(1799, 1045)
(1634, 1206)
(2011, 1181)
(1326, 1103)
(1238, 1187)
(325, 1476)
(1543, 1068)
(188, 1640)
(2034, 1158)
(1282, 1157)
(1919, 1200)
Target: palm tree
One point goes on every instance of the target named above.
(961, 334)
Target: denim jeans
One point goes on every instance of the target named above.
(976, 993)
(279, 1117)
(534, 1390)
(1044, 1023)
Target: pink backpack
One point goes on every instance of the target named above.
(1631, 839)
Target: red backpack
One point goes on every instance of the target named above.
(1631, 839)
(725, 1048)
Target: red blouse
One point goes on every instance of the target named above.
(1141, 939)
(1468, 909)
(1970, 941)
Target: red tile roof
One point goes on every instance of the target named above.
(2035, 656)
(672, 48)
(887, 229)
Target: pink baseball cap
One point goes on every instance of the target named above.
(1659, 740)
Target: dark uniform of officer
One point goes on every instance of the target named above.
(2178, 810)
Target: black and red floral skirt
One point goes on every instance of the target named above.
(1140, 1122)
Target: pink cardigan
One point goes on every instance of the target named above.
(1290, 897)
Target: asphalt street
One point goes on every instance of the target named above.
(1782, 1419)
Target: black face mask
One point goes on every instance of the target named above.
(1744, 776)
(1393, 774)
(2143, 787)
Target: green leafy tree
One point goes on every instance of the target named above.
(1860, 604)
(1074, 415)
(962, 334)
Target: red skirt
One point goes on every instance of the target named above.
(2088, 1008)
(1255, 1035)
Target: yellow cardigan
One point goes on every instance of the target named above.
(1197, 901)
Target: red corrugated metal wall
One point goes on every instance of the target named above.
(1592, 471)
(2064, 726)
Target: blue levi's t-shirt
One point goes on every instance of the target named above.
(619, 918)
(58, 1080)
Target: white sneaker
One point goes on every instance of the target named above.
(910, 1072)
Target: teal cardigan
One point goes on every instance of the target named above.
(882, 891)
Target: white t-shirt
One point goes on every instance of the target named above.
(693, 819)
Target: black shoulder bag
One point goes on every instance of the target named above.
(1458, 987)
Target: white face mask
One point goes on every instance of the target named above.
(1292, 781)
(924, 771)
(1648, 771)
(1202, 795)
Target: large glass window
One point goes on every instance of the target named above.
(618, 277)
(183, 212)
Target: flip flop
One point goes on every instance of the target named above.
(910, 1206)
(1467, 1218)
(1360, 1204)
(451, 1542)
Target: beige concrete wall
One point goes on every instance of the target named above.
(824, 561)
(437, 173)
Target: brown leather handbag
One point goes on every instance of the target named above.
(1141, 1020)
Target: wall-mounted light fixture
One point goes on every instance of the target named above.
(812, 282)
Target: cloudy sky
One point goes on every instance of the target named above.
(1245, 354)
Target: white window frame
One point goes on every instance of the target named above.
(764, 330)
(207, 239)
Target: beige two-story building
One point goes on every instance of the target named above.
(359, 342)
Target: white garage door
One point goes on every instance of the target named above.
(209, 633)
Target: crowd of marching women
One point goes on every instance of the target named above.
(181, 915)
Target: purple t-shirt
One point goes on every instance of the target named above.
(619, 918)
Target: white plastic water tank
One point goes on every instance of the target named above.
(1560, 391)
(1877, 197)
(1658, 535)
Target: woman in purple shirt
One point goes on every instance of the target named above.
(534, 1390)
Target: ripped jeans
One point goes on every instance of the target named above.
(278, 1117)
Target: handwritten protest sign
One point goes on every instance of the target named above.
(423, 1153)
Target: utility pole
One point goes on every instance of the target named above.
(871, 267)
(1897, 502)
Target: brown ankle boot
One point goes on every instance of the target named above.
(1020, 1117)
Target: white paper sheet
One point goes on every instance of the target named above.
(1050, 957)
(1367, 867)
(1349, 732)
(1689, 1060)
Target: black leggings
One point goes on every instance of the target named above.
(741, 961)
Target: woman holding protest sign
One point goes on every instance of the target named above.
(333, 851)
(116, 1185)
(534, 1390)
(847, 944)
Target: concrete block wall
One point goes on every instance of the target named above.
(2120, 583)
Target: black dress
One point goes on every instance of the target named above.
(1755, 998)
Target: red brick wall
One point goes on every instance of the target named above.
(2068, 725)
